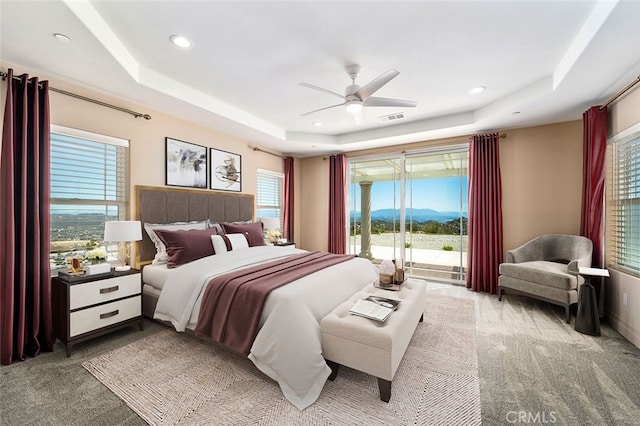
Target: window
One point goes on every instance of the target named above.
(269, 199)
(89, 185)
(623, 202)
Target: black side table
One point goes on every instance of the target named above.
(587, 318)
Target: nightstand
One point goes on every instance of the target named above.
(92, 306)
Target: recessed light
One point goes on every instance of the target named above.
(477, 90)
(180, 41)
(317, 123)
(61, 37)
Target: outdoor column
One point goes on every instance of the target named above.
(365, 219)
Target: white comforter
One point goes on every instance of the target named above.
(288, 345)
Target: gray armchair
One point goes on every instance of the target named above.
(546, 268)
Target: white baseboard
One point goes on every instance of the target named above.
(623, 328)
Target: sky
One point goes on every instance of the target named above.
(442, 194)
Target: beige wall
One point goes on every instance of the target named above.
(147, 139)
(314, 203)
(541, 170)
(541, 182)
(622, 115)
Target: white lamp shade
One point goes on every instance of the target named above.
(122, 230)
(270, 222)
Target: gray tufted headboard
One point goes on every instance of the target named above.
(166, 205)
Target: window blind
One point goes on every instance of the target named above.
(269, 197)
(89, 185)
(623, 209)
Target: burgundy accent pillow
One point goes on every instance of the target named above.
(184, 246)
(253, 230)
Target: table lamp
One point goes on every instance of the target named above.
(123, 232)
(270, 224)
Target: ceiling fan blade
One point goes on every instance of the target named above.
(321, 109)
(311, 86)
(386, 102)
(370, 88)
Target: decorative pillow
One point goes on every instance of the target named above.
(184, 246)
(254, 231)
(229, 242)
(161, 253)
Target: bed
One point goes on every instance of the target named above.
(287, 346)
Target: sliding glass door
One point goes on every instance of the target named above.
(412, 208)
(436, 214)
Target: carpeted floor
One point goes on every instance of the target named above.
(52, 389)
(533, 369)
(171, 379)
(536, 369)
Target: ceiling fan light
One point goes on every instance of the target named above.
(353, 107)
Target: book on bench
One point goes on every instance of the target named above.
(375, 307)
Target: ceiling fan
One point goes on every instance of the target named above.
(356, 97)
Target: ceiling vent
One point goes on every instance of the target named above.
(392, 117)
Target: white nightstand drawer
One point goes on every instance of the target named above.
(97, 317)
(95, 292)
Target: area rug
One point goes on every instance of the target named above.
(171, 378)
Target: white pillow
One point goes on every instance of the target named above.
(222, 243)
(161, 251)
(216, 225)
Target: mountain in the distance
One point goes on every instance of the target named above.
(417, 215)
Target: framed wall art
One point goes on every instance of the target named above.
(226, 170)
(186, 164)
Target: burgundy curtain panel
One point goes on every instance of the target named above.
(484, 254)
(25, 287)
(337, 204)
(288, 199)
(594, 133)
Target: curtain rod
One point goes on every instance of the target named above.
(255, 148)
(4, 76)
(501, 136)
(620, 93)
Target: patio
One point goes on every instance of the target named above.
(424, 263)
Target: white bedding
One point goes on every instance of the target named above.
(288, 345)
(155, 275)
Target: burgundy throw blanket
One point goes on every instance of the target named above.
(232, 303)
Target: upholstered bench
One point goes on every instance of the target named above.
(369, 346)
